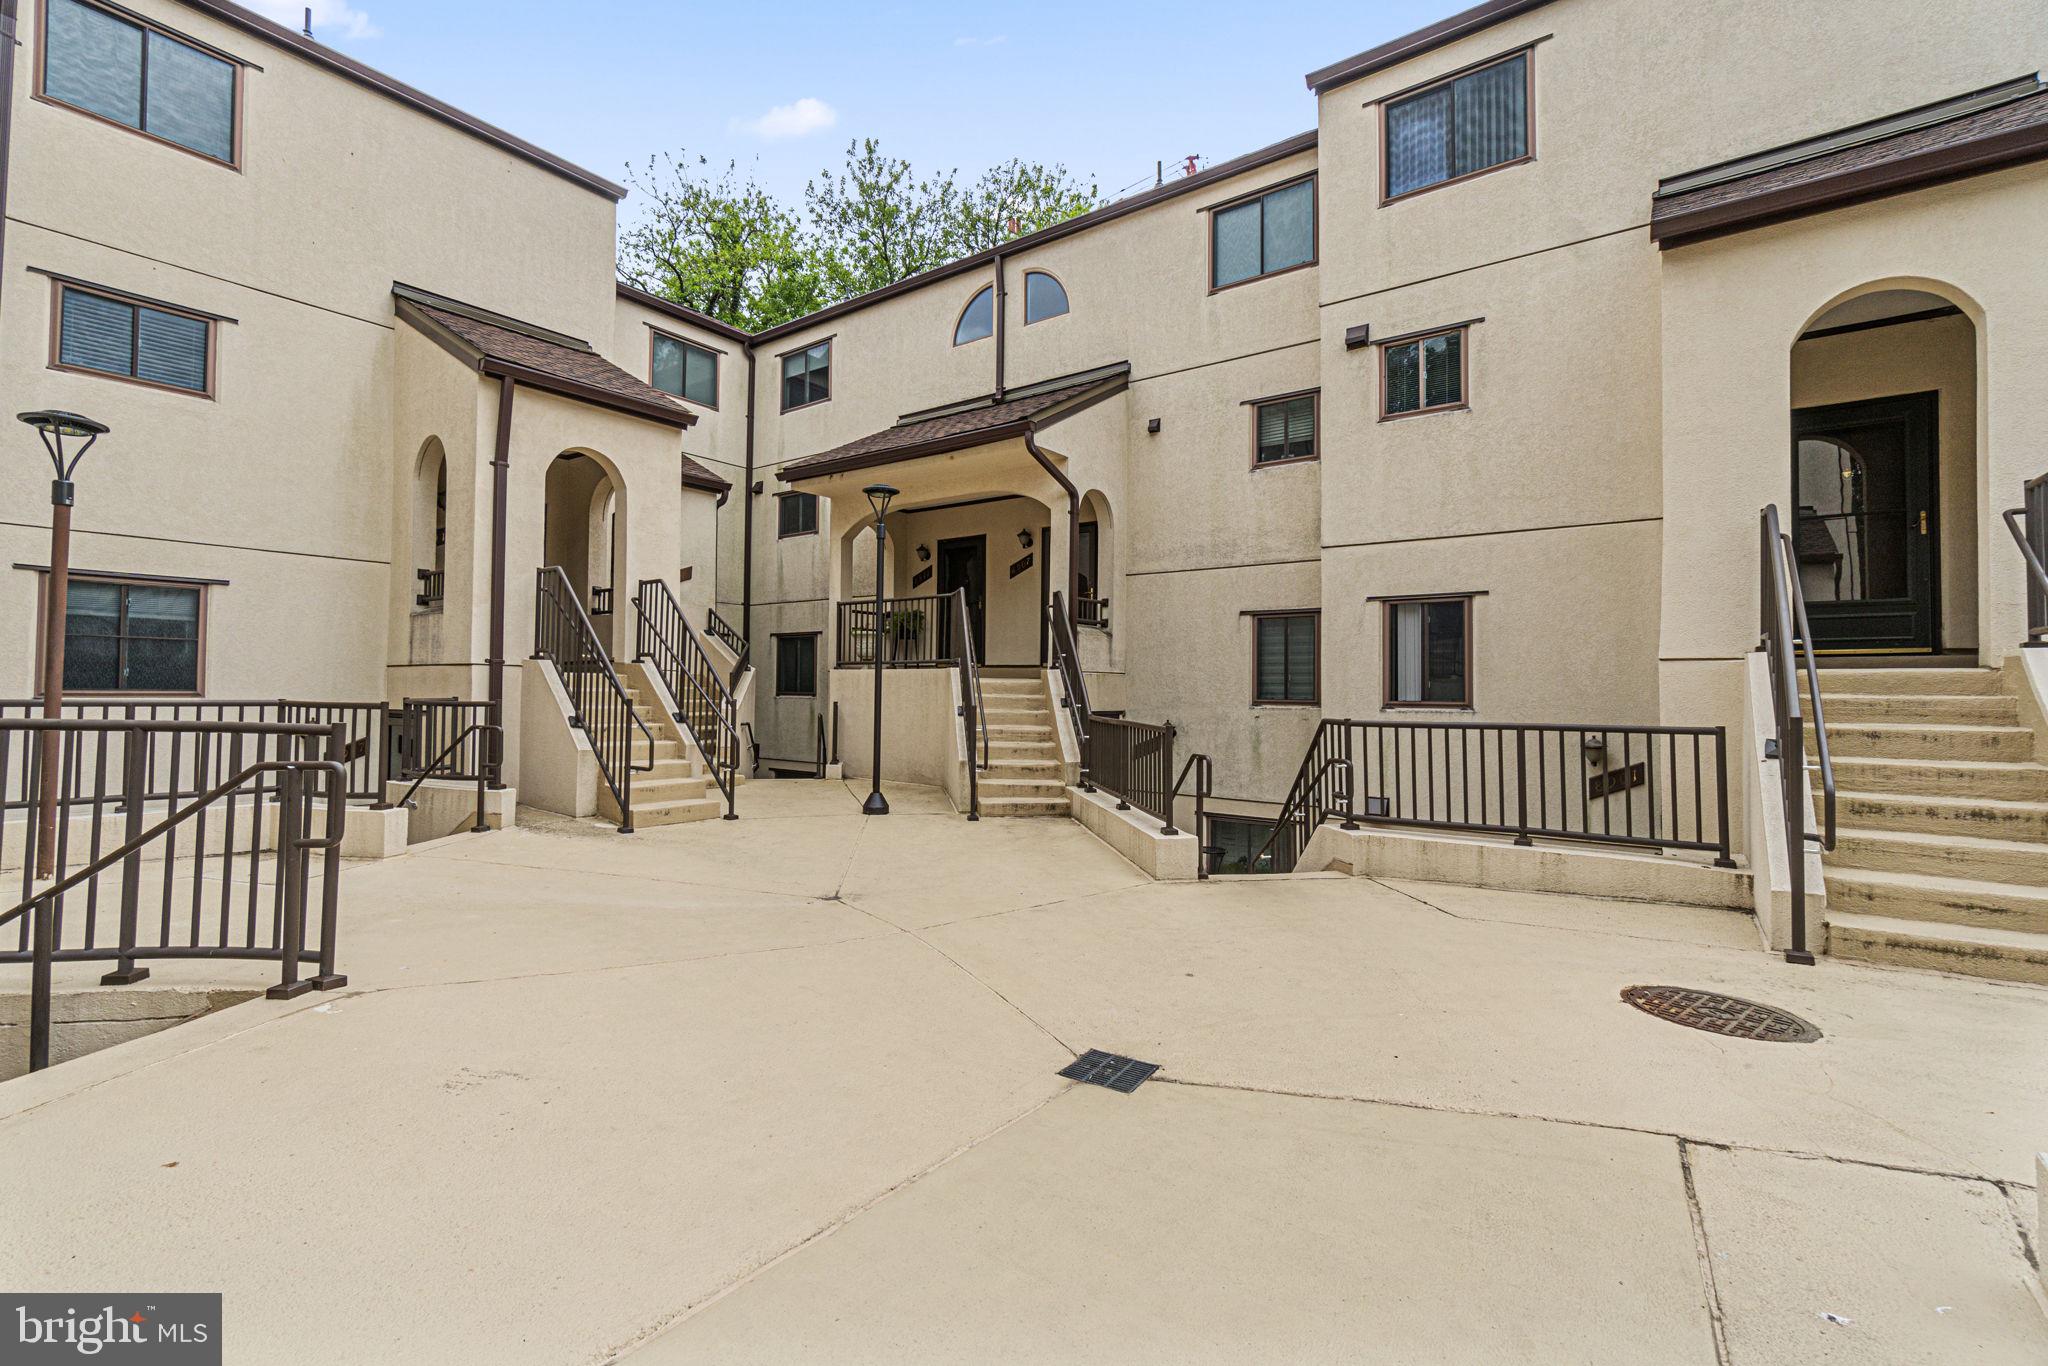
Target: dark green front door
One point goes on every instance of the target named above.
(1867, 526)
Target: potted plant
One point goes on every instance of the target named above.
(904, 626)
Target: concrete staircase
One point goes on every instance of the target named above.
(1942, 855)
(677, 789)
(1023, 776)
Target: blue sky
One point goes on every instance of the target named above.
(1108, 88)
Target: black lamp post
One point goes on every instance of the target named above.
(56, 428)
(878, 499)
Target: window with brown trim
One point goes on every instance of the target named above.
(797, 515)
(132, 636)
(1272, 231)
(1423, 374)
(1286, 658)
(1234, 841)
(1284, 429)
(684, 369)
(140, 77)
(1429, 652)
(108, 334)
(1457, 128)
(1044, 297)
(796, 665)
(807, 376)
(978, 319)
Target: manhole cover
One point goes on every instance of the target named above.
(1718, 1014)
(1113, 1070)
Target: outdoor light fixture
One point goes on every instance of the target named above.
(56, 428)
(879, 496)
(924, 554)
(1024, 539)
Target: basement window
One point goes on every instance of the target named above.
(1234, 840)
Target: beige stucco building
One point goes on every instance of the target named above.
(1459, 408)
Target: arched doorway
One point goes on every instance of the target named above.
(430, 527)
(1884, 473)
(582, 532)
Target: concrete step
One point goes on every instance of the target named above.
(1035, 713)
(1025, 806)
(1946, 681)
(1943, 778)
(2013, 744)
(1018, 731)
(1952, 709)
(646, 791)
(1964, 856)
(1033, 766)
(1977, 816)
(1941, 900)
(676, 812)
(1049, 788)
(2003, 955)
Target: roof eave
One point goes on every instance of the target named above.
(716, 326)
(1440, 34)
(896, 455)
(1936, 166)
(586, 393)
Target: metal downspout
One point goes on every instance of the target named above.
(501, 469)
(1073, 515)
(1001, 310)
(747, 533)
(7, 45)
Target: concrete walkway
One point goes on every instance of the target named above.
(783, 1089)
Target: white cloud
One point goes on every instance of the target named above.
(997, 41)
(806, 116)
(336, 16)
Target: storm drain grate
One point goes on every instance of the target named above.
(1113, 1070)
(1718, 1014)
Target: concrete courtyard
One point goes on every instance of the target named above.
(785, 1089)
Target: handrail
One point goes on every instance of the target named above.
(1294, 819)
(721, 631)
(1785, 636)
(2033, 543)
(563, 635)
(1204, 773)
(484, 728)
(706, 705)
(971, 708)
(1067, 659)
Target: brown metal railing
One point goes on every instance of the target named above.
(174, 756)
(721, 631)
(1066, 661)
(267, 783)
(1091, 612)
(433, 587)
(466, 753)
(1788, 644)
(1198, 765)
(563, 635)
(2029, 526)
(1133, 762)
(916, 633)
(705, 705)
(600, 602)
(973, 716)
(1322, 787)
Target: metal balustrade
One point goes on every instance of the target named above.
(705, 704)
(563, 635)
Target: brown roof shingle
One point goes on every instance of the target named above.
(548, 360)
(2007, 134)
(974, 425)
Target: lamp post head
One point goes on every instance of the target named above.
(879, 496)
(55, 427)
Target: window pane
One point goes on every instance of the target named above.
(92, 663)
(979, 320)
(796, 663)
(819, 362)
(171, 349)
(191, 98)
(91, 609)
(798, 514)
(1091, 533)
(98, 334)
(162, 666)
(1404, 378)
(700, 376)
(1044, 297)
(1301, 426)
(1442, 369)
(668, 365)
(1407, 648)
(95, 62)
(1492, 117)
(1237, 243)
(1272, 431)
(1418, 142)
(1301, 659)
(170, 613)
(1444, 637)
(1272, 685)
(1290, 226)
(795, 390)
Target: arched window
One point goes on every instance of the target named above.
(978, 320)
(1044, 297)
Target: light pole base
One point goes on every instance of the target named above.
(875, 805)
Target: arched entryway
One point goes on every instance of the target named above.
(1885, 454)
(583, 532)
(430, 527)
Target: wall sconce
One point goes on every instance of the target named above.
(924, 554)
(1152, 426)
(1595, 749)
(1024, 539)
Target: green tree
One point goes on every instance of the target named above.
(721, 245)
(877, 221)
(1016, 198)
